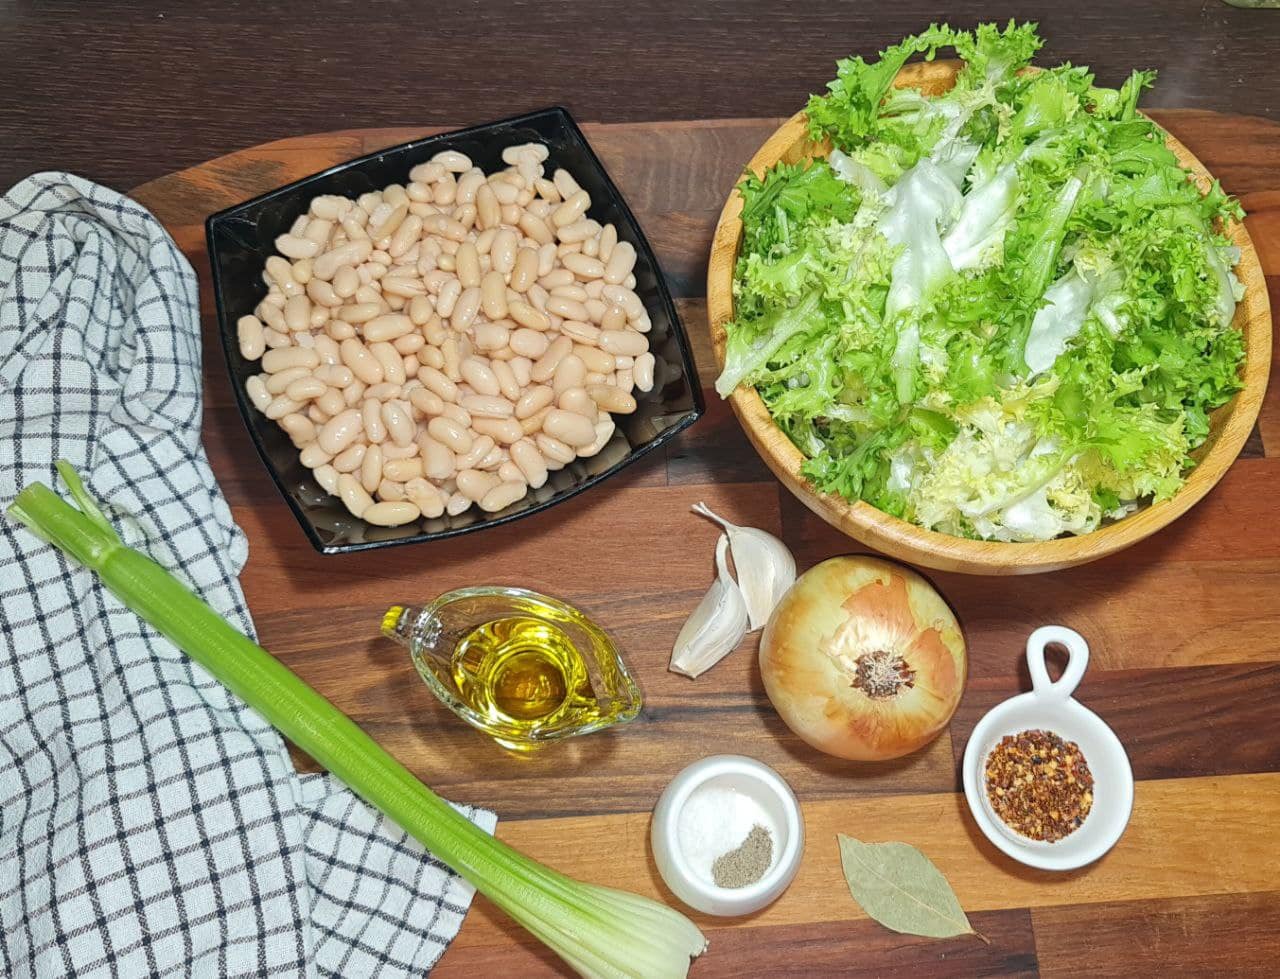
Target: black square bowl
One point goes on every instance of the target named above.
(242, 237)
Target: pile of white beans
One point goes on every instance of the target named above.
(448, 342)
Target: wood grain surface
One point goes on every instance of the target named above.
(123, 91)
(1183, 627)
(1229, 426)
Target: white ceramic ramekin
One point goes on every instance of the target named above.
(1049, 707)
(750, 777)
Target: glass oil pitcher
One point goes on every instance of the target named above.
(524, 668)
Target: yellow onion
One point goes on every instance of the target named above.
(863, 659)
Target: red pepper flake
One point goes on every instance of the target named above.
(1039, 785)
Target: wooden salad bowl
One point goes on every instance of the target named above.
(1230, 424)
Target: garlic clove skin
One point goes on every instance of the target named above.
(716, 626)
(766, 568)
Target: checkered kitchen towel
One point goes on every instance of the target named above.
(150, 823)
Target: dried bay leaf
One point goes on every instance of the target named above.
(899, 887)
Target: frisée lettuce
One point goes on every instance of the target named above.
(1001, 312)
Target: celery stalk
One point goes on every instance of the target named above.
(597, 930)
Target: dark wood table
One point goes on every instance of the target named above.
(123, 92)
(1186, 660)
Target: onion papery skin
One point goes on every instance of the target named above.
(856, 611)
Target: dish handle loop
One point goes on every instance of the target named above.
(1077, 660)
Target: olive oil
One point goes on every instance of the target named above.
(522, 667)
(521, 670)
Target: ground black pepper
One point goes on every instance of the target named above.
(746, 864)
(1039, 785)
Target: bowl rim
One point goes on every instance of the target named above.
(911, 542)
(1030, 852)
(249, 415)
(674, 868)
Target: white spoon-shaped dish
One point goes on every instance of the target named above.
(1050, 707)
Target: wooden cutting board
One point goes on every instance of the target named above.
(1185, 632)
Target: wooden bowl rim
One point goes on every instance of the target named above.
(1233, 421)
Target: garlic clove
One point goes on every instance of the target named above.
(716, 626)
(766, 568)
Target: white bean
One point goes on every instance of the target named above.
(571, 372)
(249, 335)
(396, 416)
(474, 484)
(535, 228)
(313, 457)
(351, 458)
(490, 337)
(438, 383)
(465, 310)
(306, 388)
(390, 360)
(402, 470)
(620, 263)
(371, 418)
(569, 427)
(504, 431)
(345, 281)
(520, 367)
(508, 386)
(578, 401)
(425, 497)
(451, 160)
(387, 513)
(280, 272)
(389, 326)
(476, 373)
(574, 206)
(274, 361)
(335, 375)
(467, 265)
(623, 342)
(624, 297)
(488, 406)
(534, 400)
(392, 451)
(300, 428)
(643, 372)
(583, 266)
(502, 496)
(437, 458)
(352, 253)
(555, 450)
(594, 358)
(528, 316)
(279, 382)
(480, 448)
(362, 363)
(327, 477)
(294, 246)
(525, 454)
(612, 399)
(340, 431)
(608, 241)
(371, 468)
(546, 365)
(525, 270)
(604, 431)
(450, 434)
(353, 496)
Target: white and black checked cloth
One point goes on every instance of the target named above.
(150, 823)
